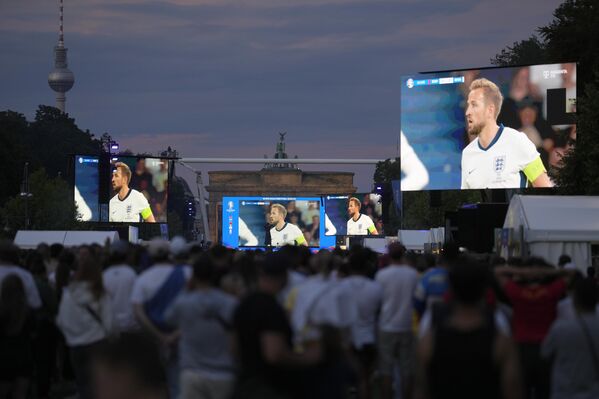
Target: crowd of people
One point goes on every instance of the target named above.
(173, 319)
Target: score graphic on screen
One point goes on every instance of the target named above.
(273, 222)
(87, 177)
(486, 128)
(140, 187)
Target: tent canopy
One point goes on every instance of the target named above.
(555, 218)
(557, 225)
(30, 239)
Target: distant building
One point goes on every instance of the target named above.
(279, 179)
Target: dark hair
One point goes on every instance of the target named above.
(396, 251)
(451, 252)
(469, 280)
(137, 354)
(204, 269)
(9, 253)
(585, 294)
(55, 250)
(89, 270)
(358, 261)
(35, 264)
(13, 305)
(564, 259)
(274, 265)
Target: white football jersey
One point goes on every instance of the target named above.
(359, 227)
(290, 234)
(501, 164)
(128, 209)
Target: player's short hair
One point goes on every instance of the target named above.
(282, 210)
(491, 93)
(125, 171)
(355, 201)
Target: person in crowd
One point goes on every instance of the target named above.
(534, 292)
(268, 366)
(465, 355)
(396, 343)
(9, 261)
(129, 367)
(16, 338)
(153, 292)
(203, 314)
(434, 283)
(565, 262)
(85, 318)
(45, 340)
(368, 294)
(118, 280)
(573, 345)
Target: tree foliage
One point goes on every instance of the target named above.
(573, 35)
(51, 206)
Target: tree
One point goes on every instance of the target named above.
(579, 173)
(525, 52)
(12, 152)
(53, 136)
(51, 206)
(571, 36)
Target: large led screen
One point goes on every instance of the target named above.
(139, 189)
(273, 222)
(456, 133)
(353, 214)
(86, 192)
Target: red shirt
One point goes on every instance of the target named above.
(535, 308)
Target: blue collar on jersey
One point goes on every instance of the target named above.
(497, 135)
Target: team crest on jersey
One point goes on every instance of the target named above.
(128, 208)
(499, 163)
(284, 237)
(360, 226)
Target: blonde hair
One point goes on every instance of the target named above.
(125, 171)
(280, 208)
(356, 201)
(491, 93)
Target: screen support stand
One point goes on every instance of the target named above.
(202, 202)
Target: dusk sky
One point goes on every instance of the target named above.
(220, 78)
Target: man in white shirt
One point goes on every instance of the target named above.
(118, 280)
(128, 204)
(499, 157)
(396, 341)
(358, 223)
(283, 233)
(153, 292)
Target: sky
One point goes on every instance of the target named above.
(221, 78)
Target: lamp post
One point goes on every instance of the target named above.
(25, 193)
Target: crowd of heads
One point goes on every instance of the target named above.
(137, 361)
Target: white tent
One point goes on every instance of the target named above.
(30, 239)
(414, 240)
(556, 225)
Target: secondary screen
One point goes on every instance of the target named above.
(353, 214)
(273, 222)
(444, 132)
(139, 190)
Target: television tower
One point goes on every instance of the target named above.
(61, 79)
